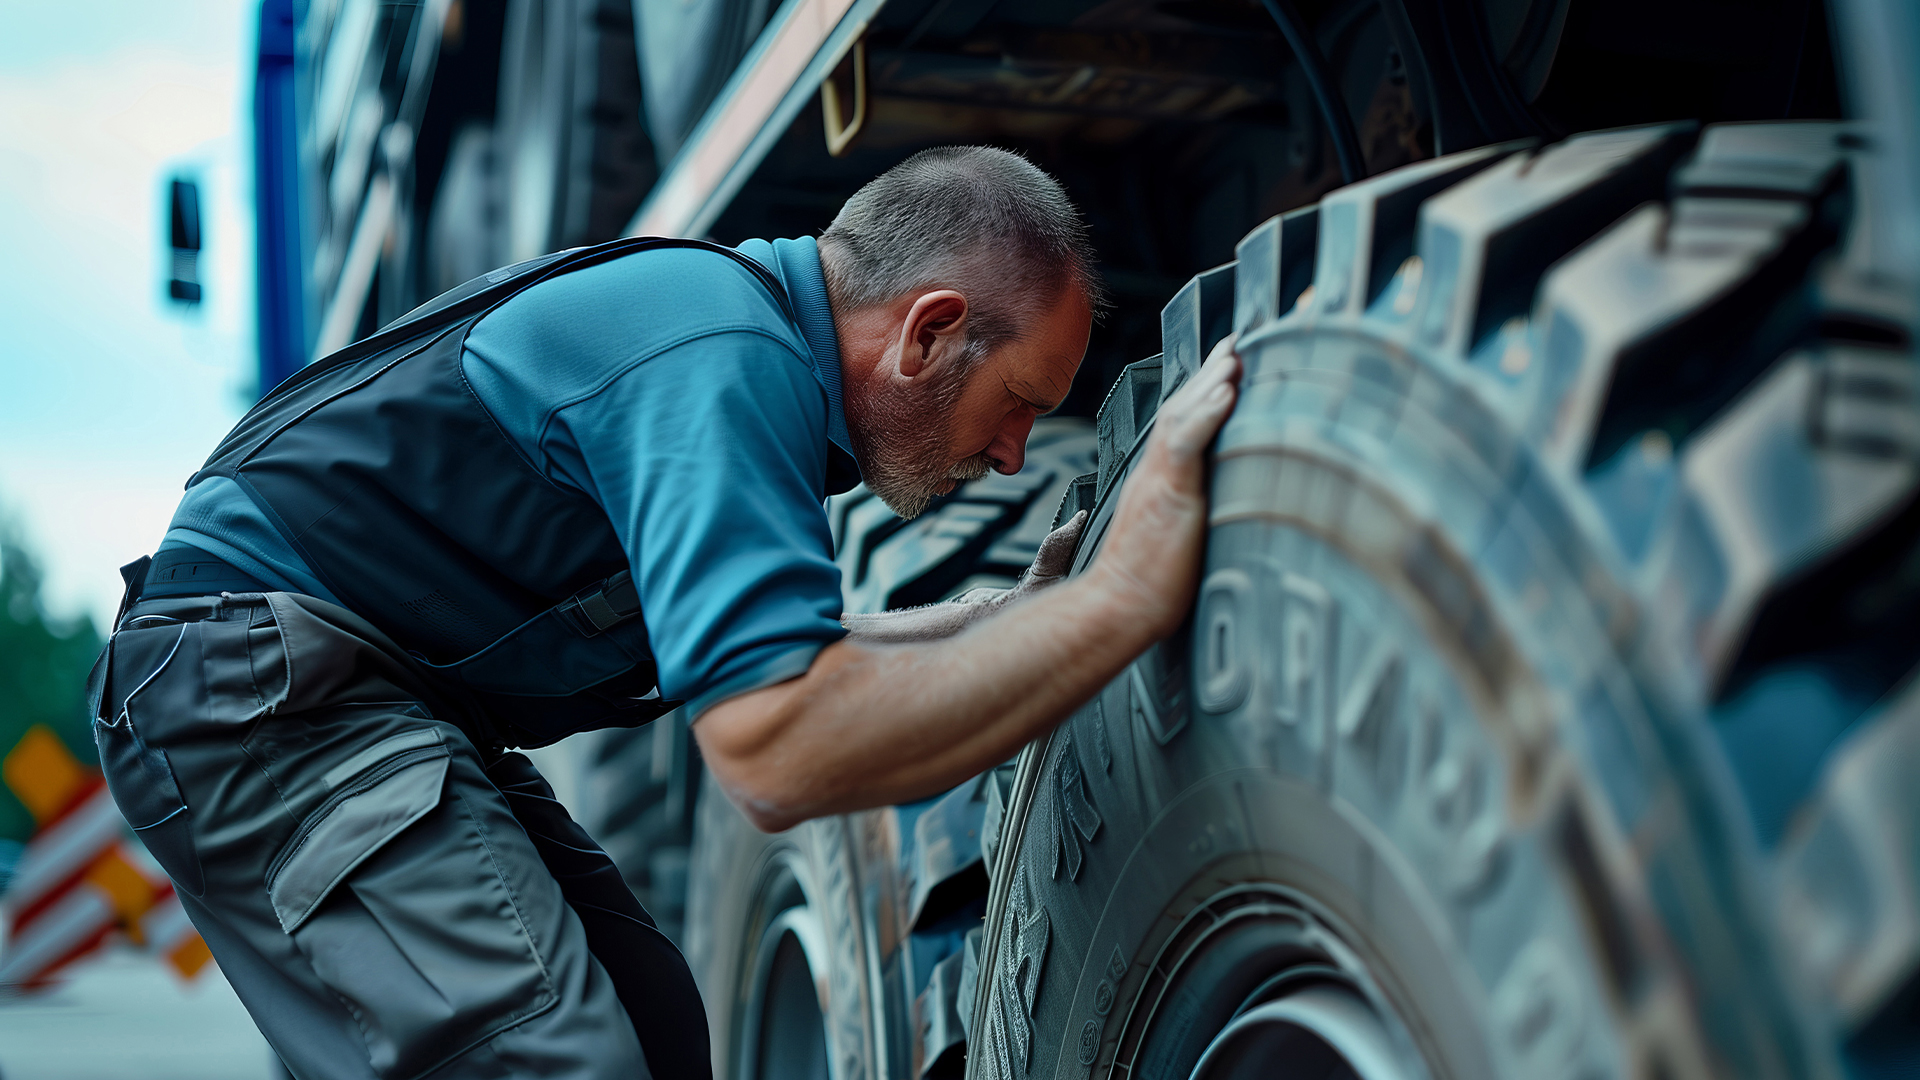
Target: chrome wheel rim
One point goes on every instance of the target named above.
(1323, 1031)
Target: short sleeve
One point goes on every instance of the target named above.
(710, 459)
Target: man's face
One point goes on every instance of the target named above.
(920, 441)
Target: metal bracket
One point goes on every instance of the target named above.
(841, 130)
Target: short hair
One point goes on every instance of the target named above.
(984, 221)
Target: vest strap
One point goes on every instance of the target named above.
(564, 649)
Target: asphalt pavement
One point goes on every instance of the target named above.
(123, 1016)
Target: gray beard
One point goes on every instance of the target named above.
(900, 441)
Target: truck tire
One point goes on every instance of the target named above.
(690, 50)
(633, 790)
(981, 536)
(1542, 705)
(465, 230)
(814, 949)
(779, 938)
(570, 140)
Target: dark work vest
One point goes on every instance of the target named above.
(381, 468)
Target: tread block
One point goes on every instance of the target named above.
(1275, 265)
(996, 788)
(969, 980)
(1678, 340)
(947, 870)
(1486, 242)
(1844, 590)
(1766, 161)
(1869, 403)
(1079, 496)
(1816, 453)
(1134, 399)
(1366, 230)
(1195, 320)
(1656, 287)
(943, 1042)
(1850, 863)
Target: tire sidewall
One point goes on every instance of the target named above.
(1511, 844)
(735, 870)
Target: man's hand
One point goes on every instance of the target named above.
(935, 621)
(1151, 555)
(870, 725)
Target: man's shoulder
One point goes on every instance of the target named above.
(665, 292)
(591, 323)
(636, 334)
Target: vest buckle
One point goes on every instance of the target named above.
(604, 605)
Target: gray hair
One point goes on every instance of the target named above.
(973, 218)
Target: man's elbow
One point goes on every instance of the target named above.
(768, 803)
(758, 748)
(771, 799)
(769, 819)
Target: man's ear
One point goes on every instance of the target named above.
(936, 323)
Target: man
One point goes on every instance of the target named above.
(576, 501)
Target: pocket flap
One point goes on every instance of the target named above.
(348, 833)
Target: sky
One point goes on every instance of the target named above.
(111, 395)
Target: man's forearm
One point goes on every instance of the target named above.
(871, 725)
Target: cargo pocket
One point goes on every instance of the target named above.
(137, 773)
(393, 894)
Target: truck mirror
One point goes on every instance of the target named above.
(184, 234)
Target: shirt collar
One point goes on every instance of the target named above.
(797, 264)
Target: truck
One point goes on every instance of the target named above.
(1547, 705)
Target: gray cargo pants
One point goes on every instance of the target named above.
(385, 903)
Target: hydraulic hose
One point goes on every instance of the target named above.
(1333, 107)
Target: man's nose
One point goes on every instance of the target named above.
(1008, 450)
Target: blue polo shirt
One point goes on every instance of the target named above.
(669, 387)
